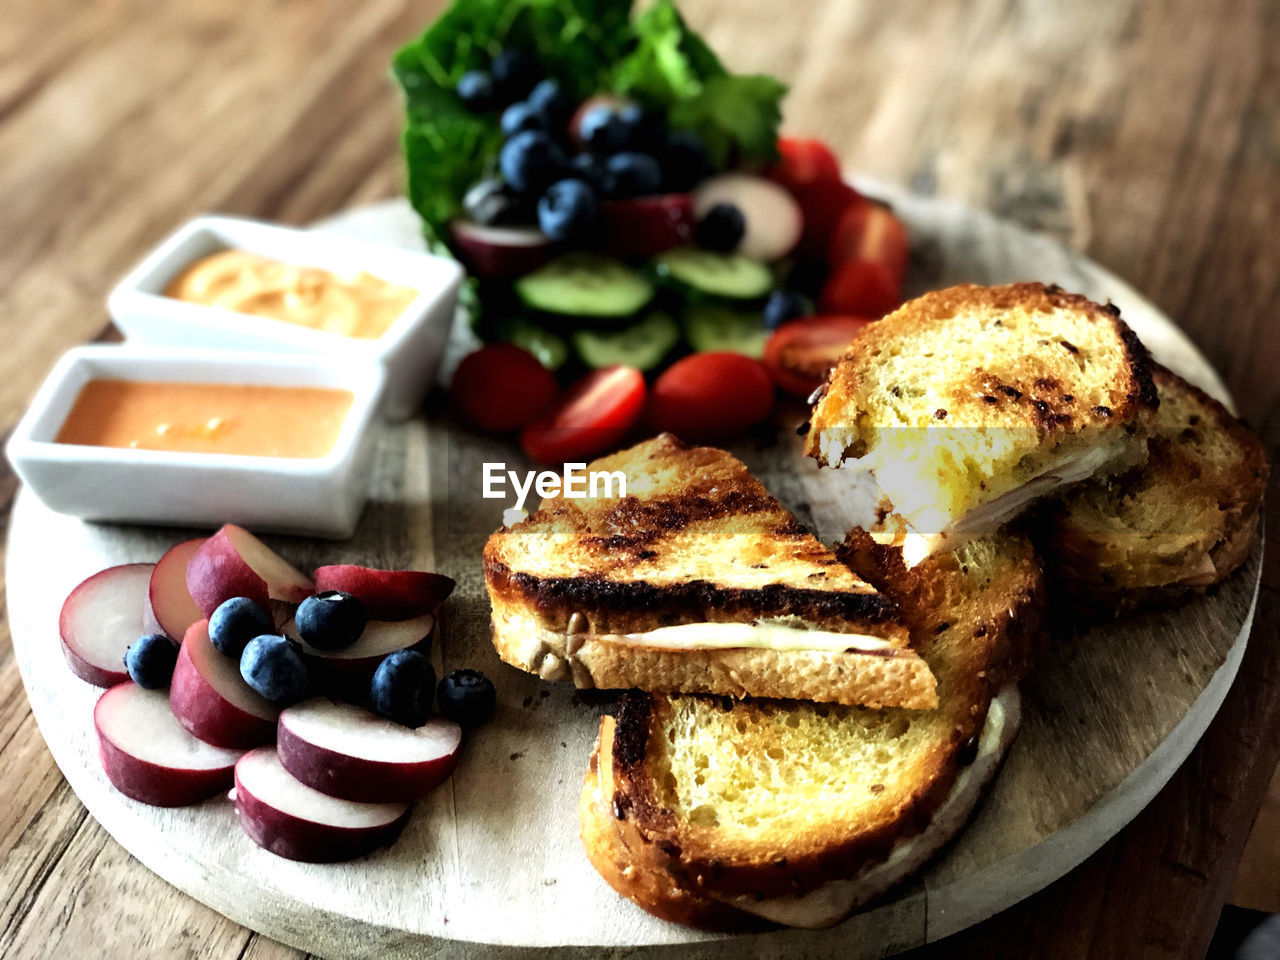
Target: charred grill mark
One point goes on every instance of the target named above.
(631, 731)
(658, 516)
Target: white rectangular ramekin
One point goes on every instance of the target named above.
(410, 349)
(320, 497)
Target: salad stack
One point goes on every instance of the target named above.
(639, 239)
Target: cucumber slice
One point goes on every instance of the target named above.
(710, 327)
(719, 274)
(641, 345)
(550, 349)
(585, 285)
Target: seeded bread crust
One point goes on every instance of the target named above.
(1155, 536)
(989, 613)
(696, 540)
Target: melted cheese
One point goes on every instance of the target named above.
(761, 635)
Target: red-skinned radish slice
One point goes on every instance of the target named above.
(387, 594)
(235, 563)
(646, 226)
(291, 820)
(347, 752)
(346, 673)
(774, 220)
(211, 699)
(100, 620)
(169, 601)
(148, 756)
(500, 251)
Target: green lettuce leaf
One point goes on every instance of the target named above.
(447, 148)
(589, 46)
(672, 68)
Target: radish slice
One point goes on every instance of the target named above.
(100, 620)
(211, 699)
(172, 609)
(774, 220)
(348, 752)
(292, 820)
(346, 673)
(148, 756)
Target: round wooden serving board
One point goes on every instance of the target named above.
(493, 857)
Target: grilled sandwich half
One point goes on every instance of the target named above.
(727, 815)
(696, 581)
(1175, 527)
(969, 403)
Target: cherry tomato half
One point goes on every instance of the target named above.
(592, 416)
(822, 202)
(869, 231)
(863, 288)
(500, 388)
(800, 353)
(803, 161)
(710, 395)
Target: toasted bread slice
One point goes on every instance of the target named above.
(969, 403)
(1175, 527)
(696, 581)
(800, 812)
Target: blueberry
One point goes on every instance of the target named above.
(548, 97)
(685, 163)
(522, 115)
(402, 688)
(530, 161)
(784, 305)
(567, 210)
(475, 89)
(588, 167)
(330, 620)
(150, 661)
(235, 623)
(514, 74)
(602, 130)
(721, 228)
(492, 202)
(466, 697)
(273, 667)
(632, 174)
(644, 128)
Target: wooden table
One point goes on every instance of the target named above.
(1147, 134)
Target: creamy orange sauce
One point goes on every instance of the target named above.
(357, 305)
(257, 421)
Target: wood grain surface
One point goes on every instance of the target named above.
(1146, 134)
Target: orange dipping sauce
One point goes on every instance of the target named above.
(255, 421)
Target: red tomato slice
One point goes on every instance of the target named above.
(500, 388)
(822, 202)
(592, 416)
(800, 353)
(869, 231)
(860, 287)
(710, 395)
(803, 161)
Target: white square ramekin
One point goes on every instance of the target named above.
(320, 497)
(410, 349)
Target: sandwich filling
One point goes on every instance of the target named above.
(753, 635)
(930, 531)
